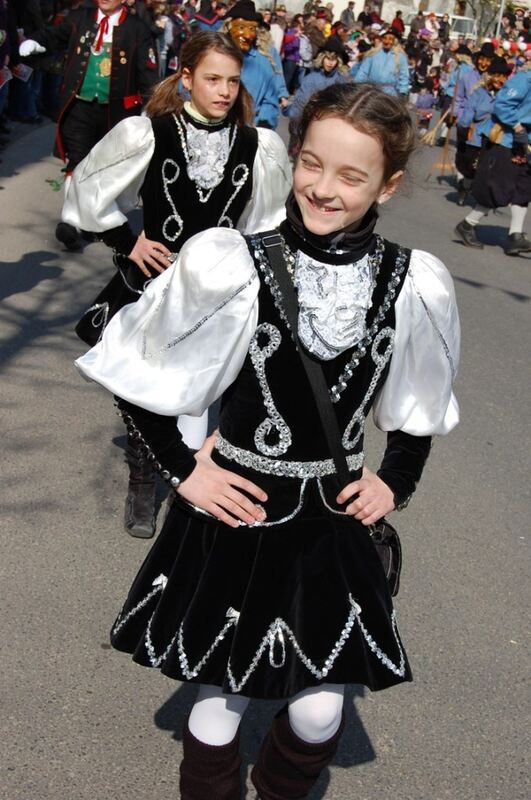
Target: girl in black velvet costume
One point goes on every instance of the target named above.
(194, 164)
(264, 581)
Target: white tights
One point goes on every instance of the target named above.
(518, 215)
(314, 714)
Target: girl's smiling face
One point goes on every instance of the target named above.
(339, 176)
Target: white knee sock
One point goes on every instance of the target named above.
(216, 717)
(477, 214)
(193, 429)
(315, 714)
(518, 214)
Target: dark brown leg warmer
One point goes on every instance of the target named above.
(287, 766)
(139, 518)
(210, 772)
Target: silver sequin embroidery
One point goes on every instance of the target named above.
(361, 349)
(355, 428)
(174, 219)
(206, 154)
(283, 469)
(273, 423)
(239, 177)
(436, 328)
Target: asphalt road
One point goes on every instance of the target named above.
(82, 722)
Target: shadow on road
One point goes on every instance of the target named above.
(355, 746)
(25, 274)
(521, 298)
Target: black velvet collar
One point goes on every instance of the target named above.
(353, 244)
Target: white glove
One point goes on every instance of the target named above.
(29, 47)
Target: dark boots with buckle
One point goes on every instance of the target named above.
(287, 766)
(517, 243)
(210, 772)
(139, 518)
(467, 234)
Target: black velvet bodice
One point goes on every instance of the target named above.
(269, 427)
(353, 377)
(173, 211)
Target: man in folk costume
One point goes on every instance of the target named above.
(258, 72)
(109, 71)
(387, 66)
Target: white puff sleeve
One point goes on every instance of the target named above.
(106, 184)
(272, 178)
(417, 396)
(182, 344)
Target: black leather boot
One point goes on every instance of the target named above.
(467, 234)
(287, 766)
(139, 518)
(210, 772)
(517, 243)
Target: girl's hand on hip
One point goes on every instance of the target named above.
(154, 254)
(374, 498)
(217, 490)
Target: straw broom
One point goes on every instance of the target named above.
(430, 137)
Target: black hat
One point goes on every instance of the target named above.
(244, 9)
(499, 66)
(331, 46)
(463, 50)
(363, 46)
(487, 50)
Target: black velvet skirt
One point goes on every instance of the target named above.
(498, 181)
(264, 612)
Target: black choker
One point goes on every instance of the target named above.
(341, 247)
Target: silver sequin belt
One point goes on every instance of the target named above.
(283, 469)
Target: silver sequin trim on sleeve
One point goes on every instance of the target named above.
(198, 324)
(259, 353)
(436, 328)
(283, 469)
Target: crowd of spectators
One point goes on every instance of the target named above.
(30, 87)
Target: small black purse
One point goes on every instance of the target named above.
(384, 537)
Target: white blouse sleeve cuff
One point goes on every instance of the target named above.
(272, 177)
(182, 344)
(106, 184)
(417, 396)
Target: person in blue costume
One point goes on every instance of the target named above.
(387, 66)
(330, 66)
(206, 18)
(363, 48)
(475, 121)
(503, 176)
(463, 58)
(469, 77)
(467, 81)
(258, 71)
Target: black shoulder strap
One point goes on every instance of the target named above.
(272, 244)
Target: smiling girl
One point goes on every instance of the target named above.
(265, 581)
(194, 165)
